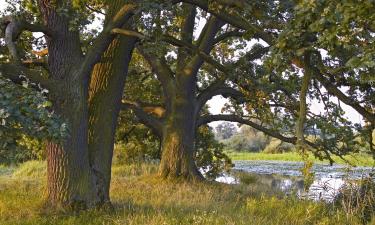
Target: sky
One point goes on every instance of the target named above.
(217, 102)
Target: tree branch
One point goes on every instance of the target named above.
(205, 44)
(187, 31)
(333, 90)
(175, 42)
(162, 71)
(217, 88)
(12, 28)
(234, 118)
(229, 34)
(105, 38)
(14, 71)
(144, 117)
(20, 25)
(234, 20)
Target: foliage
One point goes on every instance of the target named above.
(248, 139)
(334, 39)
(26, 121)
(277, 146)
(136, 145)
(26, 148)
(210, 156)
(225, 130)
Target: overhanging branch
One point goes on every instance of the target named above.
(333, 90)
(217, 88)
(234, 118)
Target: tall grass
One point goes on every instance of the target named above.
(140, 197)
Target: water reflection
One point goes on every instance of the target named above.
(287, 177)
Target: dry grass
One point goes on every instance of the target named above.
(140, 197)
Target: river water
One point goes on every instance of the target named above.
(287, 177)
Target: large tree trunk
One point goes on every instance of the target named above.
(178, 141)
(106, 89)
(69, 179)
(69, 175)
(105, 94)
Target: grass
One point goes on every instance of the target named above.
(354, 159)
(140, 197)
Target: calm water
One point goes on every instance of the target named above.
(287, 177)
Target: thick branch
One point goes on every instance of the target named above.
(14, 71)
(205, 44)
(253, 55)
(20, 25)
(178, 43)
(234, 20)
(187, 31)
(35, 62)
(217, 88)
(144, 117)
(105, 38)
(12, 28)
(161, 69)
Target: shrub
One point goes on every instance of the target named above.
(23, 149)
(247, 139)
(277, 146)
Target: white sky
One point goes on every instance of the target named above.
(217, 102)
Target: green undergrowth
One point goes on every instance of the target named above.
(354, 159)
(140, 197)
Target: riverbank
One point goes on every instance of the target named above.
(354, 159)
(140, 197)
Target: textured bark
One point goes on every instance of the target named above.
(178, 141)
(178, 147)
(69, 174)
(106, 89)
(179, 89)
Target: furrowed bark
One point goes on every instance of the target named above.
(178, 142)
(105, 93)
(69, 179)
(69, 174)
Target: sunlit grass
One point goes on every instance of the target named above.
(354, 159)
(140, 197)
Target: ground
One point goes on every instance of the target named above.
(140, 197)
